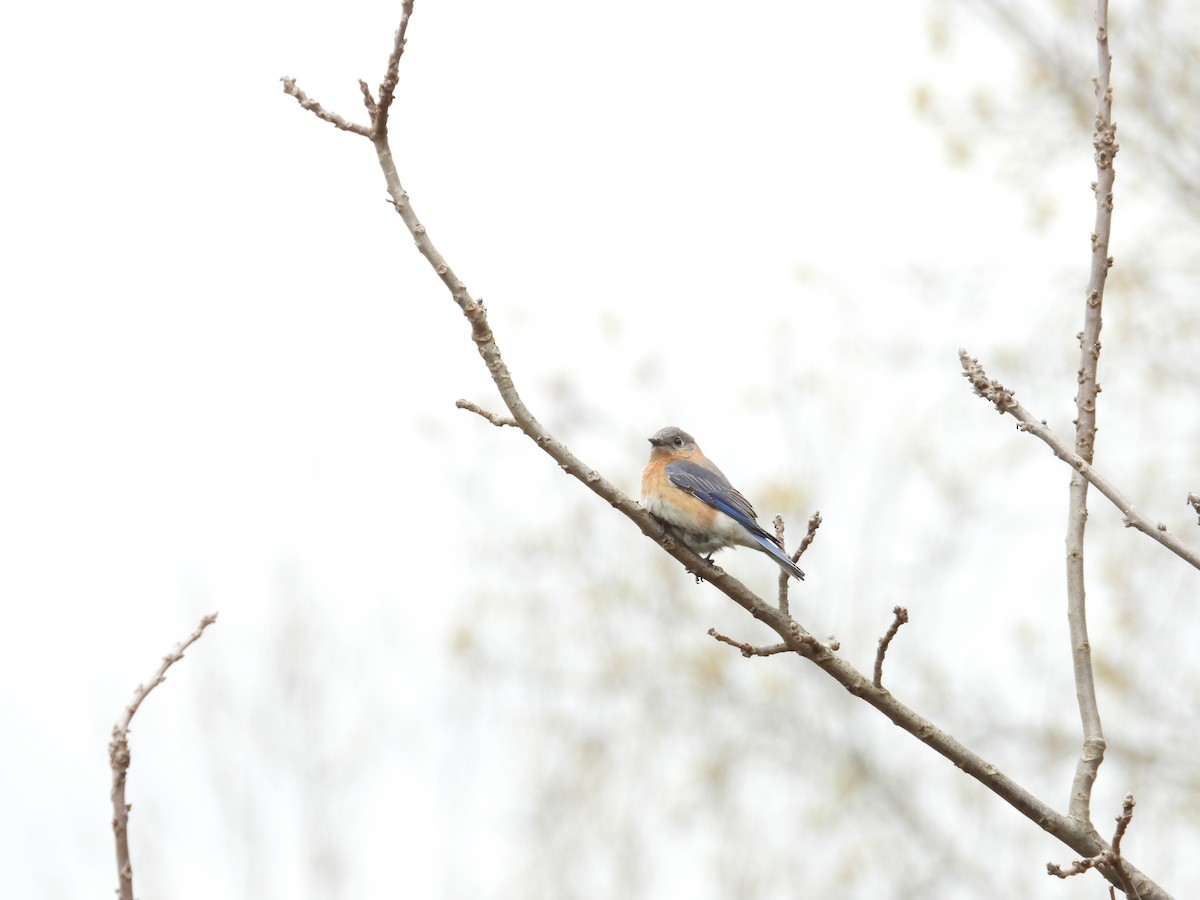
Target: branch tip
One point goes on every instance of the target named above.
(119, 757)
(989, 388)
(498, 421)
(306, 102)
(749, 650)
(1110, 857)
(901, 617)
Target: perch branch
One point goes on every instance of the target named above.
(1077, 835)
(118, 758)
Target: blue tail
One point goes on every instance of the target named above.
(785, 561)
(769, 543)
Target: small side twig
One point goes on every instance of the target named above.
(291, 88)
(901, 617)
(814, 522)
(118, 757)
(1110, 857)
(1123, 821)
(785, 605)
(1078, 867)
(749, 650)
(1194, 502)
(498, 421)
(808, 644)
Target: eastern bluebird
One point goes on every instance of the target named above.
(682, 488)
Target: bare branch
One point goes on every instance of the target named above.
(814, 522)
(1078, 867)
(749, 650)
(784, 577)
(1109, 860)
(901, 615)
(290, 87)
(802, 642)
(387, 89)
(1091, 753)
(118, 758)
(1006, 402)
(1123, 821)
(369, 103)
(498, 421)
(377, 110)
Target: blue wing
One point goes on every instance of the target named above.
(709, 484)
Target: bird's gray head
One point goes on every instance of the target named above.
(672, 438)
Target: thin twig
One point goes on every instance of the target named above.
(749, 650)
(290, 87)
(901, 615)
(387, 89)
(784, 577)
(814, 522)
(1194, 502)
(118, 758)
(799, 641)
(1109, 859)
(1005, 401)
(1079, 866)
(1123, 821)
(498, 421)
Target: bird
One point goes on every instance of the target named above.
(682, 488)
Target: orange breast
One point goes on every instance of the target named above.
(669, 503)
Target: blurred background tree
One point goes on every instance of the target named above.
(660, 764)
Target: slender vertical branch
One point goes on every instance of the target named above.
(784, 603)
(118, 758)
(1104, 140)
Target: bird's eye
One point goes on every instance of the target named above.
(678, 442)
